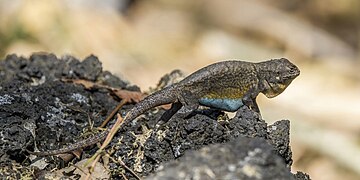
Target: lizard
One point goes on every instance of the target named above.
(226, 85)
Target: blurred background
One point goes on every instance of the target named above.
(143, 40)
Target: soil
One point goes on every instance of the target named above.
(40, 111)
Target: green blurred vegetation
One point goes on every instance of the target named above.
(13, 33)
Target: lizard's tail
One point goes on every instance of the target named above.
(161, 97)
(81, 144)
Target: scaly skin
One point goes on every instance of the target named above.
(226, 85)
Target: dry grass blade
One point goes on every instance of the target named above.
(118, 107)
(108, 139)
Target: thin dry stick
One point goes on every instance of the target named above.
(108, 139)
(113, 131)
(126, 167)
(121, 104)
(130, 170)
(92, 167)
(123, 175)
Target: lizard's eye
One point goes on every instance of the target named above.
(278, 74)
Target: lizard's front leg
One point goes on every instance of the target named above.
(249, 100)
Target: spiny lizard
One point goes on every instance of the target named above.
(226, 85)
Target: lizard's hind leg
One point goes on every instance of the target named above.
(181, 109)
(189, 103)
(168, 114)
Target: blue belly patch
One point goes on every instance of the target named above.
(230, 105)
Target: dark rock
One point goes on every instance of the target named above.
(39, 110)
(241, 158)
(279, 137)
(300, 175)
(37, 107)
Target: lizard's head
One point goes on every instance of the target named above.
(276, 75)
